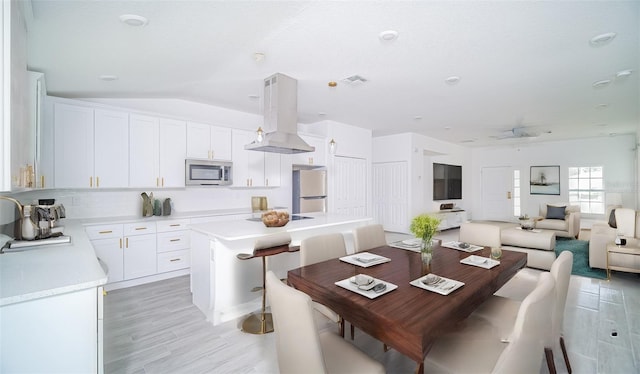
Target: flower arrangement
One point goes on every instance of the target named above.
(424, 226)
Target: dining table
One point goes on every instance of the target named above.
(408, 318)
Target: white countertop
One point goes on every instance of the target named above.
(174, 215)
(244, 229)
(50, 269)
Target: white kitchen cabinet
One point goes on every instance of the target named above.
(253, 168)
(73, 136)
(91, 149)
(157, 149)
(139, 249)
(111, 149)
(173, 243)
(208, 142)
(315, 158)
(57, 334)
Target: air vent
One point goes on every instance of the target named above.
(354, 80)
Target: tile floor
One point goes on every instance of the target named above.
(154, 328)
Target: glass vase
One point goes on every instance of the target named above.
(426, 250)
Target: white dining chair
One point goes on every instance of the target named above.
(500, 311)
(321, 248)
(300, 347)
(367, 237)
(478, 348)
(482, 234)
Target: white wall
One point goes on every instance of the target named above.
(616, 154)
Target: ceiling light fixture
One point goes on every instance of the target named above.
(134, 20)
(254, 97)
(388, 35)
(602, 39)
(417, 118)
(452, 80)
(602, 106)
(602, 83)
(108, 78)
(332, 84)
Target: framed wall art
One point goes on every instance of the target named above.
(545, 180)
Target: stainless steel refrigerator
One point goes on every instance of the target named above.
(309, 191)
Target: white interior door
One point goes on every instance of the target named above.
(497, 187)
(350, 186)
(390, 195)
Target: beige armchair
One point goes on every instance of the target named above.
(565, 222)
(603, 251)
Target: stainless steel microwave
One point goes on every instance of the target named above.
(207, 173)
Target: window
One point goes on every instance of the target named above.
(586, 188)
(516, 193)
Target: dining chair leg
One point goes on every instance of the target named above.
(549, 355)
(385, 347)
(352, 332)
(341, 326)
(564, 353)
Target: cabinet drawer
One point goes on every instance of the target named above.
(139, 228)
(173, 240)
(104, 231)
(172, 225)
(174, 260)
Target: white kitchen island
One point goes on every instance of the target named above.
(222, 284)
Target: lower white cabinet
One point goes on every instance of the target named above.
(451, 219)
(140, 249)
(56, 334)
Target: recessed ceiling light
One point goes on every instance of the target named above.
(602, 106)
(107, 77)
(321, 114)
(447, 128)
(254, 97)
(454, 79)
(623, 73)
(417, 118)
(601, 83)
(602, 39)
(134, 20)
(601, 125)
(258, 57)
(388, 35)
(467, 141)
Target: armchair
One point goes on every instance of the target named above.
(605, 254)
(564, 219)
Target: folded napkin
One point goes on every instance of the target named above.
(273, 240)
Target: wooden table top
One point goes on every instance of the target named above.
(408, 319)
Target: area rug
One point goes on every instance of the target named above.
(580, 250)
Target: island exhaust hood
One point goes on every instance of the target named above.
(281, 115)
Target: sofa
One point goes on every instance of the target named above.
(563, 219)
(604, 253)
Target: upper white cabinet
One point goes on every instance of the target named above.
(111, 150)
(208, 142)
(90, 147)
(253, 168)
(315, 158)
(157, 149)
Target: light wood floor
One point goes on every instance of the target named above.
(154, 328)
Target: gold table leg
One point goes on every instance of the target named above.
(263, 322)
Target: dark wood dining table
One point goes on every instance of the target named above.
(408, 319)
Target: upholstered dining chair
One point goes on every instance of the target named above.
(367, 237)
(482, 234)
(321, 248)
(300, 347)
(500, 311)
(477, 347)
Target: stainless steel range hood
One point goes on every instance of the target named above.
(280, 116)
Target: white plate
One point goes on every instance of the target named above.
(415, 242)
(365, 259)
(479, 261)
(444, 286)
(456, 245)
(371, 294)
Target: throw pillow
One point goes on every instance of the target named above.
(612, 219)
(555, 212)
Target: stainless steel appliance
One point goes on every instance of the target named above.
(207, 173)
(309, 191)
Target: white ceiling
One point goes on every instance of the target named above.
(521, 63)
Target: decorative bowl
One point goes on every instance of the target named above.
(275, 218)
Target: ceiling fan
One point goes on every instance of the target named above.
(518, 132)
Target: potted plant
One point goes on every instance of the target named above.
(425, 227)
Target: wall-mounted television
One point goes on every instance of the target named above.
(447, 182)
